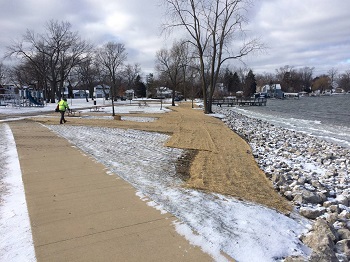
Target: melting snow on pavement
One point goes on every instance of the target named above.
(244, 231)
(218, 224)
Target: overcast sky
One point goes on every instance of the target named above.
(313, 33)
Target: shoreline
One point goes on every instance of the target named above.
(311, 173)
(328, 123)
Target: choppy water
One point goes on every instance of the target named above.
(326, 117)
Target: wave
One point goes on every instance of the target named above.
(332, 133)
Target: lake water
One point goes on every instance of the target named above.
(326, 117)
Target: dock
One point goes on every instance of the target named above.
(260, 101)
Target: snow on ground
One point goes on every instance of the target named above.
(121, 107)
(16, 243)
(123, 118)
(244, 231)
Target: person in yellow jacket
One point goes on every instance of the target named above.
(63, 106)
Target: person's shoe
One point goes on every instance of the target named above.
(65, 121)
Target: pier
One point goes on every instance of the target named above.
(260, 101)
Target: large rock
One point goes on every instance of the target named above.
(279, 179)
(341, 199)
(295, 259)
(344, 233)
(331, 218)
(343, 247)
(312, 213)
(317, 184)
(334, 209)
(344, 215)
(288, 195)
(321, 240)
(306, 197)
(322, 257)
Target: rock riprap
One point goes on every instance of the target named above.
(312, 173)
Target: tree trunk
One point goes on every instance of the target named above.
(205, 98)
(113, 112)
(52, 91)
(173, 97)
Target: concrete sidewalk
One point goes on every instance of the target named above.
(80, 213)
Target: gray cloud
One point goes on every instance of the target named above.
(312, 33)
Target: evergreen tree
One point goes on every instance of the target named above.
(250, 85)
(228, 81)
(236, 83)
(140, 87)
(150, 86)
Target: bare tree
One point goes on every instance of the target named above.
(284, 76)
(306, 76)
(187, 66)
(265, 79)
(53, 53)
(332, 73)
(212, 25)
(3, 72)
(344, 81)
(88, 74)
(170, 63)
(111, 58)
(242, 73)
(24, 75)
(130, 74)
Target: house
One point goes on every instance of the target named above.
(130, 94)
(101, 91)
(164, 92)
(80, 93)
(338, 91)
(273, 90)
(7, 89)
(270, 88)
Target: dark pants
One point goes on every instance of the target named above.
(62, 120)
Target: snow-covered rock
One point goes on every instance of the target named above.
(321, 239)
(306, 170)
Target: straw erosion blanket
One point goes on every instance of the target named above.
(219, 160)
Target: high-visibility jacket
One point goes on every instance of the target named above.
(63, 105)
